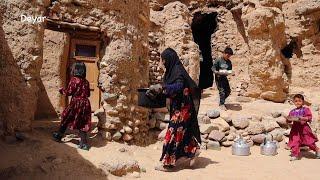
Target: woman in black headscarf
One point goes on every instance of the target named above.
(183, 135)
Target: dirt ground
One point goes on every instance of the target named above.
(38, 157)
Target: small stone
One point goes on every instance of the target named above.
(240, 122)
(204, 120)
(255, 128)
(270, 124)
(256, 118)
(216, 135)
(282, 122)
(259, 138)
(135, 175)
(277, 134)
(231, 137)
(127, 129)
(226, 116)
(213, 114)
(127, 137)
(244, 134)
(109, 97)
(227, 143)
(105, 135)
(116, 136)
(213, 145)
(123, 149)
(130, 123)
(136, 130)
(207, 128)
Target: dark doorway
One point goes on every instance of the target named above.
(203, 26)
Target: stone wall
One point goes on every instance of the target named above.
(53, 74)
(124, 26)
(259, 32)
(21, 58)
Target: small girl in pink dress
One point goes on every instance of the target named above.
(301, 133)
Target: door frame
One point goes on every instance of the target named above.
(72, 57)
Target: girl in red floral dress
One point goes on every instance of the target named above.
(301, 133)
(77, 114)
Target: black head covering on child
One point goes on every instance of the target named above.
(174, 72)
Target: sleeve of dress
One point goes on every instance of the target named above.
(308, 114)
(172, 89)
(71, 87)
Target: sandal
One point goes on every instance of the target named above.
(57, 136)
(293, 158)
(84, 146)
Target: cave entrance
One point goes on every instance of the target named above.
(203, 26)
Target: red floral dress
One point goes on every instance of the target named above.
(77, 114)
(179, 140)
(301, 133)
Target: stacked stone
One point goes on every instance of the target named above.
(222, 128)
(155, 70)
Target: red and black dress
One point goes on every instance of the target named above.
(77, 114)
(183, 135)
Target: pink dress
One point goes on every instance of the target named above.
(301, 134)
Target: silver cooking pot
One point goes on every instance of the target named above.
(240, 147)
(269, 147)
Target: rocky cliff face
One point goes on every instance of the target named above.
(275, 41)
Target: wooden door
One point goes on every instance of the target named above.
(87, 51)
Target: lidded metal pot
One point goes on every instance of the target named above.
(269, 147)
(240, 147)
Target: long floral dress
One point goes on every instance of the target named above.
(301, 133)
(77, 114)
(179, 141)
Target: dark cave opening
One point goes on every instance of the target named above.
(203, 26)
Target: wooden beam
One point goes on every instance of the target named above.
(56, 25)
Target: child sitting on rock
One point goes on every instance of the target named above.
(301, 133)
(77, 114)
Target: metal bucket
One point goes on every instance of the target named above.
(145, 101)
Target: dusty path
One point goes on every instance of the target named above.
(40, 158)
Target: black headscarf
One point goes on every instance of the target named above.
(175, 72)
